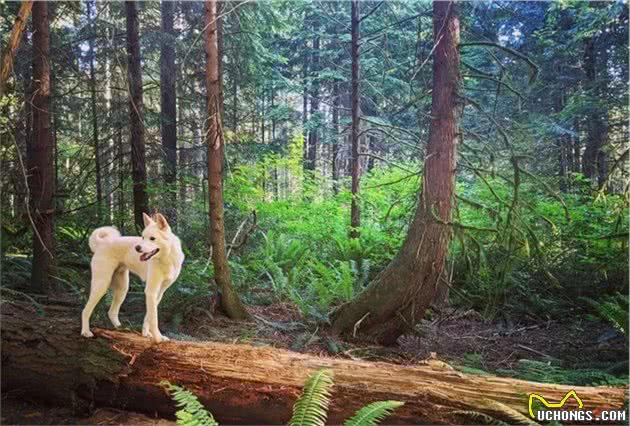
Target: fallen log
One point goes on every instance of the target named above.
(242, 384)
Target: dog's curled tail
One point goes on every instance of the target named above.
(102, 234)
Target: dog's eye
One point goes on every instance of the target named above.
(152, 238)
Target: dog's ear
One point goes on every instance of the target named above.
(162, 223)
(147, 219)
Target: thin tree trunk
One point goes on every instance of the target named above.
(121, 181)
(91, 6)
(577, 155)
(596, 124)
(313, 134)
(398, 297)
(168, 112)
(138, 161)
(271, 106)
(305, 99)
(335, 139)
(183, 161)
(262, 108)
(14, 42)
(230, 301)
(561, 143)
(41, 178)
(355, 209)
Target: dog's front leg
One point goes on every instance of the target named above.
(152, 293)
(145, 325)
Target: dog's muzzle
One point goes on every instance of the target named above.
(146, 256)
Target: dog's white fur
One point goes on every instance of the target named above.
(115, 255)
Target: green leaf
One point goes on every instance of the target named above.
(373, 413)
(311, 408)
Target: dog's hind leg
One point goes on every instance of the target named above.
(102, 271)
(120, 287)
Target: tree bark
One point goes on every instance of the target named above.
(41, 179)
(230, 301)
(305, 97)
(91, 7)
(593, 159)
(398, 297)
(168, 110)
(14, 42)
(355, 208)
(313, 134)
(335, 139)
(241, 384)
(138, 161)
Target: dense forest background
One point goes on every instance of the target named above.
(539, 224)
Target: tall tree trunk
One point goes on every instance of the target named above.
(335, 139)
(14, 42)
(305, 99)
(262, 114)
(110, 157)
(398, 297)
(272, 95)
(41, 178)
(91, 11)
(313, 134)
(168, 110)
(355, 209)
(230, 301)
(121, 181)
(597, 120)
(577, 155)
(138, 162)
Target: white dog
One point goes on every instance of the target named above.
(156, 258)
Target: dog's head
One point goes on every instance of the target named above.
(156, 238)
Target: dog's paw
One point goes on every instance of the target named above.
(146, 333)
(115, 321)
(160, 338)
(87, 334)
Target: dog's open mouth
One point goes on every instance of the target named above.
(146, 256)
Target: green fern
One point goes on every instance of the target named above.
(478, 418)
(373, 413)
(509, 413)
(192, 412)
(613, 309)
(311, 408)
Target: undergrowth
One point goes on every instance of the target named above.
(311, 408)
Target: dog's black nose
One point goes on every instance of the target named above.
(139, 249)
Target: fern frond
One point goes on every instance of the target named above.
(311, 408)
(192, 412)
(373, 413)
(508, 413)
(478, 418)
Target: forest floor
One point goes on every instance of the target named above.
(461, 338)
